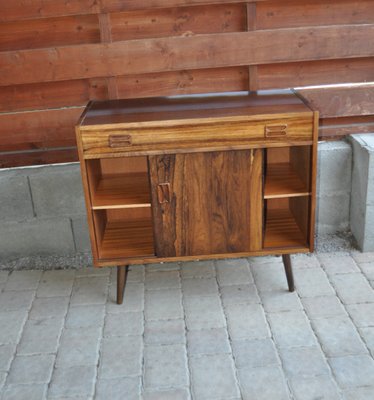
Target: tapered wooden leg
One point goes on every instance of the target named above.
(288, 268)
(121, 281)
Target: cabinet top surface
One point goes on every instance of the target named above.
(191, 107)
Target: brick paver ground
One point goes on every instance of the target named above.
(198, 330)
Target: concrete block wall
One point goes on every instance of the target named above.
(42, 209)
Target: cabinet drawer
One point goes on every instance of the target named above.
(202, 136)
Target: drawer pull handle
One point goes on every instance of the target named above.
(275, 130)
(163, 193)
(120, 140)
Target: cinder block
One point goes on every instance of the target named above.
(362, 201)
(15, 198)
(333, 213)
(36, 237)
(335, 163)
(81, 234)
(58, 191)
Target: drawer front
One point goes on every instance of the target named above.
(218, 135)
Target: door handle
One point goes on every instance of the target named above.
(119, 140)
(163, 193)
(276, 130)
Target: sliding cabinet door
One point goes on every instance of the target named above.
(207, 203)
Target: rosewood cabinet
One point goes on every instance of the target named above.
(198, 177)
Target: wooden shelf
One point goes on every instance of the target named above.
(123, 239)
(282, 181)
(122, 191)
(282, 230)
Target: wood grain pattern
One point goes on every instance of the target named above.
(178, 53)
(209, 211)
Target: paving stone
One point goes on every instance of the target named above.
(25, 392)
(121, 357)
(198, 269)
(4, 276)
(163, 304)
(3, 376)
(364, 393)
(338, 264)
(136, 274)
(81, 381)
(165, 332)
(368, 270)
(270, 277)
(246, 321)
(360, 257)
(278, 301)
(40, 336)
(56, 283)
(173, 394)
(11, 323)
(168, 266)
(209, 341)
(254, 353)
(353, 288)
(7, 352)
(233, 272)
(353, 371)
(213, 377)
(31, 369)
(200, 287)
(204, 313)
(264, 383)
(312, 282)
(92, 271)
(162, 280)
(90, 291)
(304, 361)
(301, 261)
(368, 335)
(124, 324)
(23, 280)
(133, 299)
(239, 294)
(362, 314)
(85, 316)
(338, 336)
(78, 347)
(12, 300)
(165, 366)
(291, 329)
(322, 307)
(118, 389)
(49, 307)
(255, 261)
(316, 388)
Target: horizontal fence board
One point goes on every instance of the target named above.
(339, 128)
(49, 32)
(38, 129)
(342, 101)
(36, 96)
(14, 10)
(183, 82)
(38, 157)
(295, 13)
(289, 75)
(179, 53)
(178, 21)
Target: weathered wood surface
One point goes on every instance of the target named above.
(56, 54)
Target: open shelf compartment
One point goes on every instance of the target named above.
(119, 183)
(124, 233)
(286, 223)
(287, 172)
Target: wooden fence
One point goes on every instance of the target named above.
(55, 55)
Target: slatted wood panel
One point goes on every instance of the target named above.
(56, 55)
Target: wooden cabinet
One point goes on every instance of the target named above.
(198, 177)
